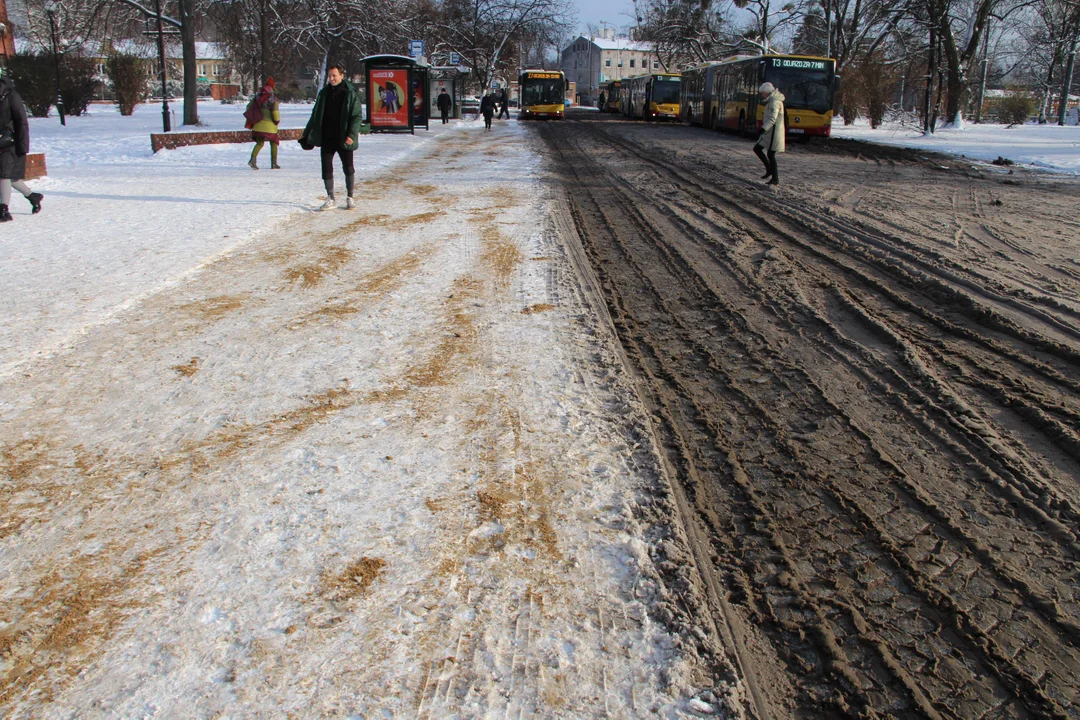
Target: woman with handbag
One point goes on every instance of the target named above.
(14, 145)
(263, 116)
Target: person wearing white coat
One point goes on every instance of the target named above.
(771, 141)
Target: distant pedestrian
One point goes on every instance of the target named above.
(334, 128)
(445, 102)
(504, 104)
(487, 109)
(772, 131)
(601, 102)
(265, 130)
(14, 146)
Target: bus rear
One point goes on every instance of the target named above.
(543, 94)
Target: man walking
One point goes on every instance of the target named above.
(334, 127)
(445, 102)
(504, 104)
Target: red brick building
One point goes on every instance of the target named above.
(7, 35)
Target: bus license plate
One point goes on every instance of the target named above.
(796, 131)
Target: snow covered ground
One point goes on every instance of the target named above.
(260, 461)
(1046, 147)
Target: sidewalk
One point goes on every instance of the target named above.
(378, 463)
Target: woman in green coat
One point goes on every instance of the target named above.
(334, 128)
(266, 129)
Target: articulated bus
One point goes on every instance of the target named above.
(651, 97)
(724, 95)
(542, 94)
(614, 90)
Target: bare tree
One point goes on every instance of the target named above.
(487, 32)
(686, 32)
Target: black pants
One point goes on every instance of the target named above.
(504, 109)
(327, 156)
(769, 160)
(487, 119)
(445, 116)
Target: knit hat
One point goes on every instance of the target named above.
(270, 82)
(766, 88)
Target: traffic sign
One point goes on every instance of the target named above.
(455, 58)
(416, 48)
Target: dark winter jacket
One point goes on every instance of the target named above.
(487, 106)
(350, 118)
(13, 120)
(445, 102)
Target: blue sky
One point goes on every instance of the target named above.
(614, 12)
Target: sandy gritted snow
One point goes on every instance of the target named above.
(1045, 147)
(259, 461)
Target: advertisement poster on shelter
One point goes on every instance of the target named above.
(420, 116)
(389, 98)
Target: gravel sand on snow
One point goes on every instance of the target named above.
(360, 463)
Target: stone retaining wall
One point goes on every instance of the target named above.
(171, 141)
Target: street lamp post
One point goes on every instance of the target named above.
(50, 10)
(166, 123)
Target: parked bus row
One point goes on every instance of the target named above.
(723, 95)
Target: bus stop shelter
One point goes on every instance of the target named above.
(397, 89)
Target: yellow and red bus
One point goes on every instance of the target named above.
(542, 94)
(651, 97)
(725, 94)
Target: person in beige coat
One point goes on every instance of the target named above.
(772, 132)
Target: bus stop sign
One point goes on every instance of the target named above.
(416, 48)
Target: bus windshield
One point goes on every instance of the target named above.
(665, 91)
(542, 92)
(809, 89)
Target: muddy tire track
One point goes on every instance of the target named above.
(873, 420)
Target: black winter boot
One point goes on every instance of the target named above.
(4, 214)
(35, 202)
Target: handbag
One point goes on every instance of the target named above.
(7, 139)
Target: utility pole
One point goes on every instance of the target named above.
(1063, 106)
(928, 126)
(828, 28)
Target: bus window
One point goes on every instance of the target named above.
(542, 92)
(665, 91)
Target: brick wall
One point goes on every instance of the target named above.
(171, 141)
(35, 166)
(223, 91)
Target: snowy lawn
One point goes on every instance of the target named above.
(1046, 147)
(120, 222)
(259, 461)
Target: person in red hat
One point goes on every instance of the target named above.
(264, 130)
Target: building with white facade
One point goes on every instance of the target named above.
(594, 62)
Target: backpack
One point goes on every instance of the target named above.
(253, 114)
